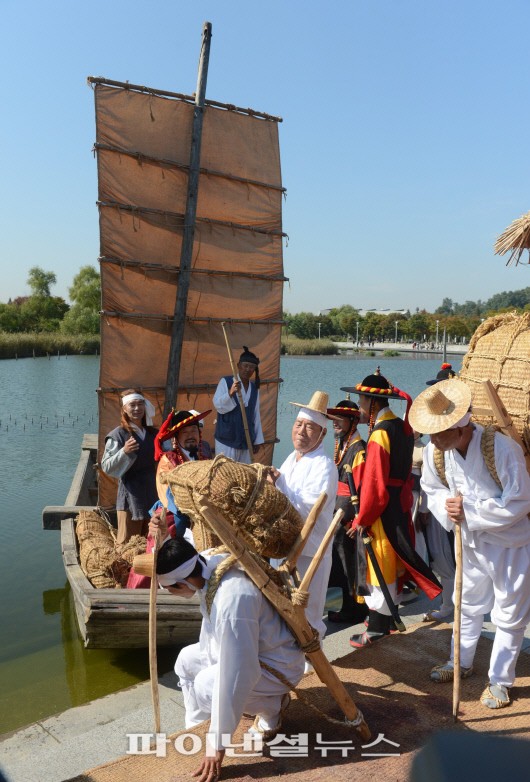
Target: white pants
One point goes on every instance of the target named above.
(197, 682)
(236, 454)
(495, 580)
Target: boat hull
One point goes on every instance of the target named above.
(114, 618)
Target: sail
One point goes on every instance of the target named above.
(143, 143)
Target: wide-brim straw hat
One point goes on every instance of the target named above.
(439, 407)
(318, 404)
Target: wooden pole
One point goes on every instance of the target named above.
(457, 620)
(317, 559)
(291, 559)
(294, 616)
(153, 667)
(186, 253)
(503, 419)
(239, 396)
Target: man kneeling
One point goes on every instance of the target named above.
(221, 675)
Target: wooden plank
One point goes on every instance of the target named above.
(503, 419)
(53, 515)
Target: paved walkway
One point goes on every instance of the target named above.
(63, 746)
(405, 347)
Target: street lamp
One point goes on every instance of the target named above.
(319, 325)
(357, 337)
(437, 324)
(395, 340)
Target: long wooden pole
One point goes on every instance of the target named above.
(239, 396)
(457, 621)
(153, 666)
(186, 253)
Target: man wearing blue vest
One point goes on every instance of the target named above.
(229, 430)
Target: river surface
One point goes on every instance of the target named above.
(47, 406)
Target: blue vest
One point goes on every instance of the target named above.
(137, 487)
(229, 429)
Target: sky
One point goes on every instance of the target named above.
(404, 128)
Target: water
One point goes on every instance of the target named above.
(48, 404)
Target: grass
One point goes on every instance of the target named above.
(292, 346)
(390, 353)
(30, 345)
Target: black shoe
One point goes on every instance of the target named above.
(365, 639)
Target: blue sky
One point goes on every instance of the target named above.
(403, 143)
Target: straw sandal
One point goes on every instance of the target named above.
(446, 672)
(495, 696)
(365, 639)
(269, 734)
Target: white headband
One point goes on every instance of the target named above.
(178, 574)
(313, 415)
(149, 408)
(463, 421)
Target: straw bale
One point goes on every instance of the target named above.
(105, 563)
(499, 351)
(261, 515)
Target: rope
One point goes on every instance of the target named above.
(439, 466)
(487, 449)
(301, 696)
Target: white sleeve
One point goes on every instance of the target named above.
(115, 462)
(513, 504)
(222, 401)
(436, 493)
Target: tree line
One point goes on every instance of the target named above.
(41, 312)
(458, 320)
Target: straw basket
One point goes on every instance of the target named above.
(500, 351)
(262, 516)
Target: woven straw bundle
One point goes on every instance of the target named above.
(500, 351)
(105, 564)
(96, 548)
(262, 516)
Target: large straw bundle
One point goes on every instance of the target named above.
(96, 548)
(262, 516)
(105, 563)
(500, 351)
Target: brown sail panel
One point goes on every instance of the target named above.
(143, 148)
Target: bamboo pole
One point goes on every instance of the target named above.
(289, 563)
(239, 396)
(153, 666)
(294, 616)
(457, 621)
(179, 322)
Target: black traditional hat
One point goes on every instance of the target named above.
(375, 385)
(248, 357)
(445, 373)
(345, 408)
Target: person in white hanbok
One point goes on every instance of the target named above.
(221, 675)
(495, 530)
(303, 476)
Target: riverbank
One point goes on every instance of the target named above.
(400, 347)
(31, 345)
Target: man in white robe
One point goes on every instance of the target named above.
(303, 476)
(495, 530)
(221, 676)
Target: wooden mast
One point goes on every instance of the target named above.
(179, 320)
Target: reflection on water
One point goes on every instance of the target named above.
(47, 407)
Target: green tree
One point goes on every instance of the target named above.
(86, 288)
(40, 281)
(42, 313)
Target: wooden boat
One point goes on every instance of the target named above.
(189, 198)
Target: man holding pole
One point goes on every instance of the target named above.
(236, 400)
(477, 478)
